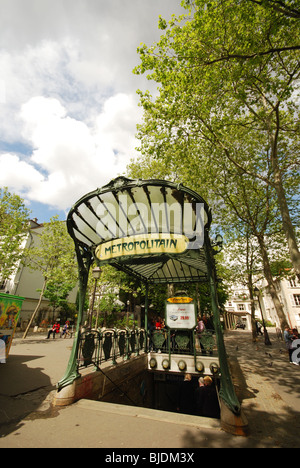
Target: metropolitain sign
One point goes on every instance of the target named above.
(142, 245)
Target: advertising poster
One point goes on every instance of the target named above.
(10, 308)
(181, 315)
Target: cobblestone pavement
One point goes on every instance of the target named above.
(266, 384)
(268, 387)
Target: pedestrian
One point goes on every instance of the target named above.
(55, 329)
(288, 338)
(200, 329)
(258, 328)
(65, 329)
(186, 395)
(158, 323)
(206, 398)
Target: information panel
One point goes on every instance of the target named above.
(181, 315)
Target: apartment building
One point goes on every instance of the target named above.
(238, 306)
(25, 282)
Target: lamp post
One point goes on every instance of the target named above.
(266, 335)
(96, 275)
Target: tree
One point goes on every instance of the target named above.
(14, 229)
(229, 76)
(55, 258)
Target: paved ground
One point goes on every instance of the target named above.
(266, 383)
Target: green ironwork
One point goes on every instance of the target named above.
(158, 339)
(182, 340)
(96, 241)
(227, 392)
(84, 260)
(88, 349)
(96, 346)
(207, 341)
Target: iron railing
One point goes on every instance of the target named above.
(98, 346)
(109, 345)
(183, 342)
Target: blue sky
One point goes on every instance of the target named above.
(68, 102)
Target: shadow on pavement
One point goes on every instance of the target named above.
(22, 391)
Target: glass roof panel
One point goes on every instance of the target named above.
(141, 214)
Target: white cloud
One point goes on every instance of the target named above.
(72, 158)
(17, 173)
(67, 92)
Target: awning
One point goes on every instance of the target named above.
(153, 230)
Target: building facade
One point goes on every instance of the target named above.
(238, 305)
(25, 282)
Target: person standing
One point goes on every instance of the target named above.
(186, 402)
(207, 403)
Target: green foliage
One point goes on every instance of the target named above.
(54, 256)
(14, 218)
(226, 119)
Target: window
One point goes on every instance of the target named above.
(241, 307)
(295, 299)
(293, 283)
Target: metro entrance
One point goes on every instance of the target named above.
(156, 231)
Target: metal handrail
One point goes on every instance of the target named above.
(104, 345)
(98, 346)
(183, 341)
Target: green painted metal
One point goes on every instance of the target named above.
(227, 392)
(89, 231)
(84, 259)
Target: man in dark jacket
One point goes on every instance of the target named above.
(206, 398)
(186, 403)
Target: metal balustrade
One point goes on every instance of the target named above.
(99, 346)
(183, 342)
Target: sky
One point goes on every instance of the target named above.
(68, 102)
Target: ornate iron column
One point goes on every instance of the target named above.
(84, 259)
(227, 392)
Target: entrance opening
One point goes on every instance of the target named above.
(158, 233)
(167, 392)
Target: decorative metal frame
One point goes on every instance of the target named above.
(193, 265)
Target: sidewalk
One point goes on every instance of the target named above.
(266, 383)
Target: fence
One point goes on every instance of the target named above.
(183, 342)
(96, 346)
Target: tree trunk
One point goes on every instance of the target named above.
(253, 323)
(287, 223)
(272, 288)
(36, 309)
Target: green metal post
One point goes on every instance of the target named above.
(146, 317)
(72, 373)
(227, 392)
